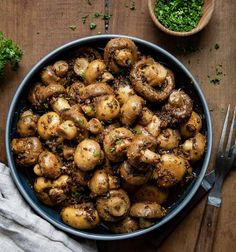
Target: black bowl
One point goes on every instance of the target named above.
(184, 80)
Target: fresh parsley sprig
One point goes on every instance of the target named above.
(10, 53)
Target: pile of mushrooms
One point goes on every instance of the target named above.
(109, 138)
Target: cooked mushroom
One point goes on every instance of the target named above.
(101, 182)
(89, 110)
(59, 104)
(116, 143)
(154, 126)
(132, 175)
(151, 193)
(94, 71)
(114, 206)
(95, 126)
(75, 115)
(192, 126)
(120, 52)
(131, 110)
(140, 152)
(194, 147)
(48, 76)
(80, 66)
(60, 186)
(170, 170)
(60, 68)
(149, 210)
(52, 90)
(127, 225)
(68, 152)
(107, 107)
(42, 187)
(27, 124)
(47, 125)
(81, 216)
(178, 108)
(67, 130)
(145, 223)
(26, 150)
(107, 77)
(146, 117)
(146, 74)
(49, 164)
(95, 90)
(123, 93)
(74, 91)
(88, 154)
(168, 139)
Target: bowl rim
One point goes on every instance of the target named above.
(178, 33)
(14, 171)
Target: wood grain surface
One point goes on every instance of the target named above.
(40, 26)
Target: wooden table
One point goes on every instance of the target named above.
(40, 26)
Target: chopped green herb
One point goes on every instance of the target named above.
(102, 122)
(118, 141)
(179, 15)
(81, 74)
(45, 105)
(216, 46)
(112, 149)
(9, 53)
(97, 14)
(106, 17)
(92, 26)
(109, 121)
(84, 18)
(74, 194)
(96, 154)
(72, 27)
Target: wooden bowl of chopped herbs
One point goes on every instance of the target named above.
(181, 17)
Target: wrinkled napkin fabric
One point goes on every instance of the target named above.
(22, 230)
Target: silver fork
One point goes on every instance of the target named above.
(225, 158)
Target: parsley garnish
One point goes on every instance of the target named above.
(112, 149)
(96, 154)
(84, 18)
(92, 26)
(9, 53)
(106, 17)
(179, 15)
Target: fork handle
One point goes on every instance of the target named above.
(207, 230)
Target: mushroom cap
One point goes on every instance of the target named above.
(81, 216)
(87, 155)
(47, 125)
(147, 210)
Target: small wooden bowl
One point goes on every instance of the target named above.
(207, 10)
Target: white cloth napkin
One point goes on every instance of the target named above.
(22, 230)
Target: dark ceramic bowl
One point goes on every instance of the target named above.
(184, 80)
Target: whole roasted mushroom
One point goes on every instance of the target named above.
(94, 71)
(42, 187)
(27, 124)
(27, 150)
(123, 93)
(131, 110)
(120, 53)
(81, 216)
(178, 108)
(194, 147)
(101, 182)
(114, 206)
(47, 125)
(127, 225)
(170, 170)
(49, 165)
(168, 139)
(151, 80)
(116, 143)
(149, 210)
(132, 175)
(140, 151)
(192, 126)
(88, 154)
